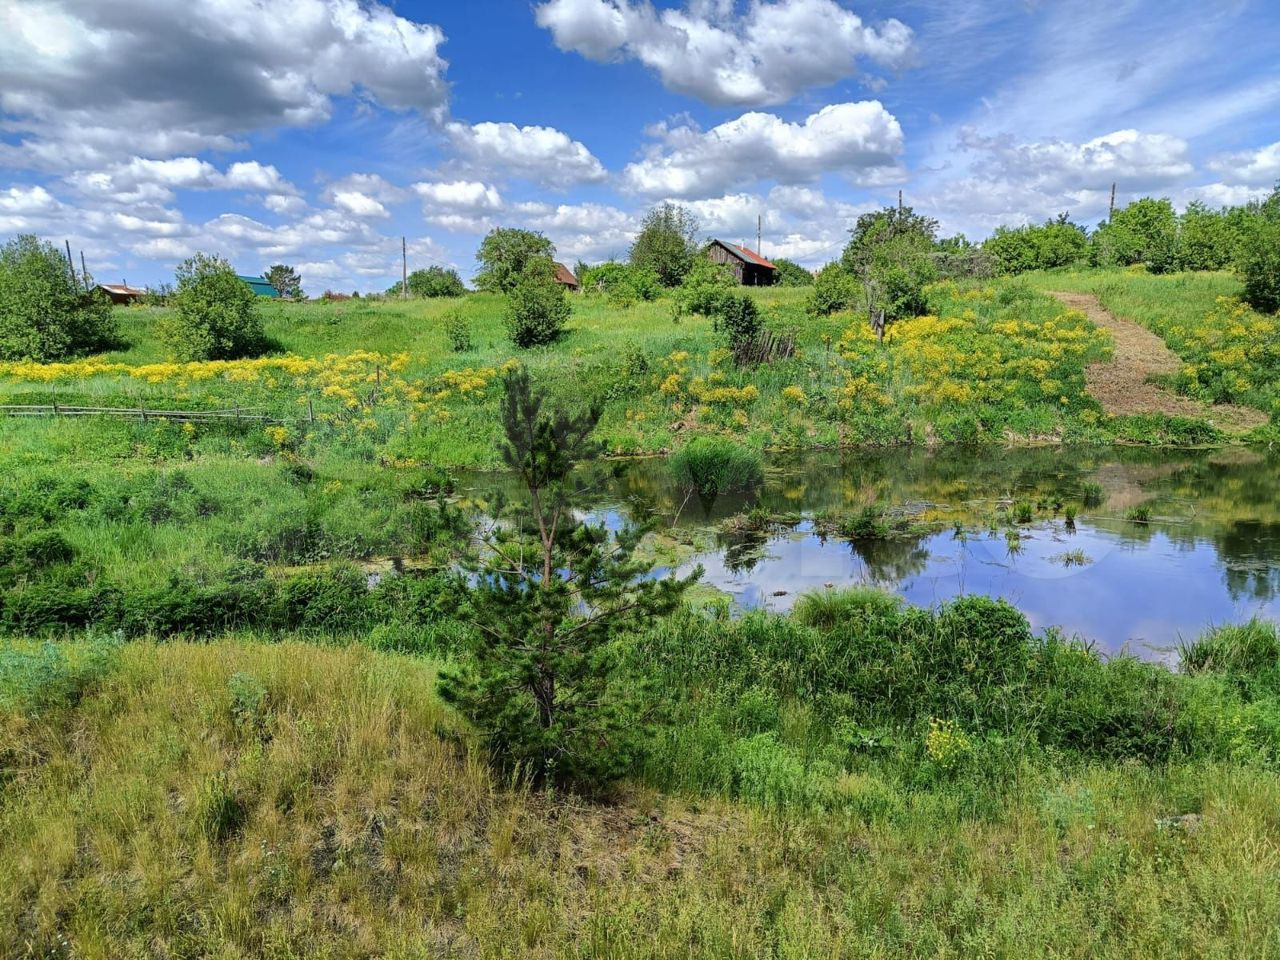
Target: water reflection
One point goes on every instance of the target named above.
(1211, 553)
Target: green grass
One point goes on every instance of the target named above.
(342, 813)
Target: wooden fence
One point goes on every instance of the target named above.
(236, 415)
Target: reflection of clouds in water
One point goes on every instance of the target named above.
(1146, 596)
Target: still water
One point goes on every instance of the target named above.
(1210, 553)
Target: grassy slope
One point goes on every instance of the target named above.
(1232, 354)
(346, 818)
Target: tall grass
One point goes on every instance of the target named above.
(352, 819)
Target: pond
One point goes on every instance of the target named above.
(1208, 554)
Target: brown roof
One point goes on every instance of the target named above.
(565, 275)
(121, 290)
(745, 255)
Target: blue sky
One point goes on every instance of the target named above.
(318, 132)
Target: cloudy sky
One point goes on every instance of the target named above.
(318, 132)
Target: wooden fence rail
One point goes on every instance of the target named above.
(138, 413)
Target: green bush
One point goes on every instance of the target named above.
(1260, 266)
(622, 283)
(704, 287)
(714, 465)
(44, 315)
(458, 331)
(215, 314)
(834, 289)
(435, 282)
(52, 676)
(738, 318)
(537, 309)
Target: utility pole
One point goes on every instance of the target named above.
(899, 201)
(84, 272)
(1111, 211)
(759, 234)
(71, 264)
(404, 270)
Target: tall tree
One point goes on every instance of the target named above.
(503, 254)
(285, 279)
(44, 313)
(552, 595)
(890, 250)
(667, 243)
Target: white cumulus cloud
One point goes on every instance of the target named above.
(767, 55)
(860, 140)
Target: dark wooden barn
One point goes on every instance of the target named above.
(120, 293)
(751, 269)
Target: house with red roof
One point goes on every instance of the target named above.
(751, 269)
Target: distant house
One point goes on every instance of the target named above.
(751, 269)
(565, 276)
(261, 287)
(119, 293)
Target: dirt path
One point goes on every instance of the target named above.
(1122, 384)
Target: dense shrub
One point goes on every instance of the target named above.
(622, 283)
(458, 331)
(738, 318)
(704, 287)
(51, 676)
(436, 282)
(215, 314)
(44, 314)
(1037, 247)
(834, 289)
(711, 465)
(537, 309)
(1260, 266)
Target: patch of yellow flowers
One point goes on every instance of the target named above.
(945, 743)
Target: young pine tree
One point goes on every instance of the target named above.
(552, 594)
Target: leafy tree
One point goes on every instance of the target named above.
(286, 280)
(215, 314)
(503, 254)
(537, 308)
(552, 596)
(791, 274)
(1207, 239)
(1260, 266)
(667, 243)
(1146, 232)
(435, 282)
(875, 229)
(44, 314)
(834, 289)
(1057, 243)
(890, 250)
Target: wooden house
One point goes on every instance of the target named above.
(120, 293)
(565, 277)
(751, 269)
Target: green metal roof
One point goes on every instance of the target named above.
(260, 286)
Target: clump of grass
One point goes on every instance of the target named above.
(1247, 648)
(1024, 511)
(1072, 558)
(1069, 514)
(830, 608)
(714, 465)
(1091, 494)
(1139, 514)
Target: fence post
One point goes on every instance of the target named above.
(142, 409)
(311, 411)
(237, 411)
